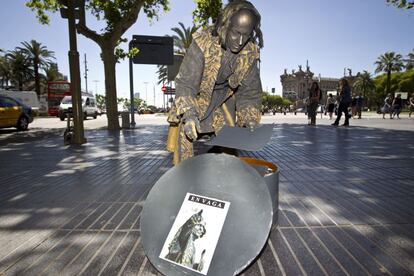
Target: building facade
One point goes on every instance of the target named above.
(295, 85)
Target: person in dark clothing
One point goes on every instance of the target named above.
(219, 82)
(344, 101)
(314, 96)
(359, 104)
(396, 106)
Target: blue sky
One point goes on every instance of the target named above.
(331, 34)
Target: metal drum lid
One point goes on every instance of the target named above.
(209, 215)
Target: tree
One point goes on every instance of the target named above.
(20, 67)
(5, 71)
(39, 57)
(119, 16)
(401, 4)
(52, 73)
(100, 101)
(206, 10)
(182, 41)
(183, 38)
(364, 83)
(388, 63)
(409, 62)
(162, 74)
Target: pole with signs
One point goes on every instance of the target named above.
(152, 50)
(72, 13)
(131, 91)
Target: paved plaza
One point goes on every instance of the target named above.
(346, 198)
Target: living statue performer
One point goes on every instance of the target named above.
(218, 82)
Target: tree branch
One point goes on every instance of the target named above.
(84, 30)
(127, 21)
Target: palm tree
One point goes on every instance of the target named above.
(364, 83)
(52, 73)
(162, 74)
(409, 62)
(182, 40)
(39, 57)
(20, 67)
(5, 71)
(388, 63)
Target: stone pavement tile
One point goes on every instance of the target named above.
(103, 255)
(289, 261)
(327, 260)
(396, 260)
(307, 259)
(270, 260)
(340, 252)
(364, 257)
(83, 258)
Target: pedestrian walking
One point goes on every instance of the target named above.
(314, 97)
(359, 105)
(411, 104)
(330, 105)
(344, 100)
(396, 106)
(386, 108)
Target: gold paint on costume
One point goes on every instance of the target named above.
(248, 114)
(212, 50)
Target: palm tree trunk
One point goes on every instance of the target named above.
(37, 78)
(388, 81)
(109, 61)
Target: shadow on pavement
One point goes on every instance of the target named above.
(346, 201)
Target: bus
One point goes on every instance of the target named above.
(56, 90)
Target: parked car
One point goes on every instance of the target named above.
(29, 98)
(14, 113)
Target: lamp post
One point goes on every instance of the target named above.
(146, 91)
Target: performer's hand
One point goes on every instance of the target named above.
(190, 129)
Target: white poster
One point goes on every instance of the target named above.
(193, 237)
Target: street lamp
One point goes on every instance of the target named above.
(146, 91)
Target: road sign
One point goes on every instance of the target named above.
(153, 49)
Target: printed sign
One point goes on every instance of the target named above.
(195, 232)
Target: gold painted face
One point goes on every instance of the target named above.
(240, 30)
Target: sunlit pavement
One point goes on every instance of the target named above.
(346, 197)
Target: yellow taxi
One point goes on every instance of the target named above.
(13, 113)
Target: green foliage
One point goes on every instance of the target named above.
(100, 101)
(182, 38)
(109, 11)
(272, 101)
(286, 103)
(364, 83)
(119, 16)
(400, 82)
(389, 62)
(206, 10)
(409, 62)
(138, 103)
(20, 67)
(401, 4)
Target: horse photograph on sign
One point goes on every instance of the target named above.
(194, 234)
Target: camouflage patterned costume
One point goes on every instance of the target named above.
(216, 86)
